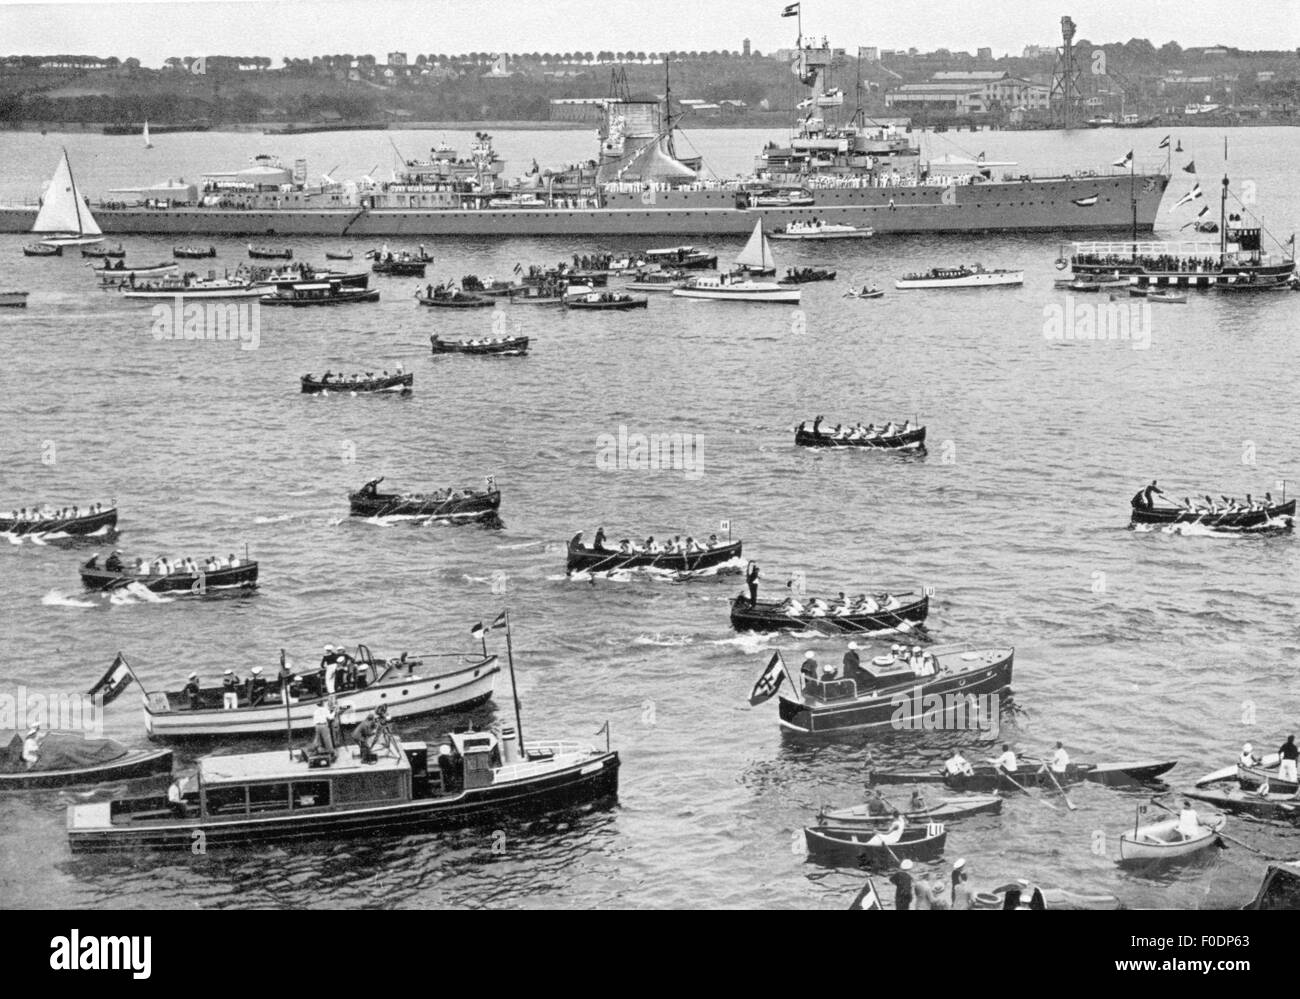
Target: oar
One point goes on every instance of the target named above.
(1019, 787)
(1221, 834)
(1052, 774)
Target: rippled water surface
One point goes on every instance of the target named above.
(1128, 645)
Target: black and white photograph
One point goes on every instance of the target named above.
(620, 456)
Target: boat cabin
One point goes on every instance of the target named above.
(252, 783)
(881, 672)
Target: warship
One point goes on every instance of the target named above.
(830, 172)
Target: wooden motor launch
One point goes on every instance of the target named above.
(391, 787)
(407, 686)
(453, 504)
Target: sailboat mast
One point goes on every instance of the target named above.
(514, 689)
(76, 195)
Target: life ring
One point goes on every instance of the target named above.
(1062, 263)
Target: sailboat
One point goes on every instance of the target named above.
(757, 256)
(147, 143)
(64, 218)
(738, 286)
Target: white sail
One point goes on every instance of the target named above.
(758, 251)
(147, 143)
(63, 210)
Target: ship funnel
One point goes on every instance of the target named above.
(509, 744)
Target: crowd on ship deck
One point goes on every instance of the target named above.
(1166, 262)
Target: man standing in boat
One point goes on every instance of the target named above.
(751, 580)
(1289, 753)
(1142, 500)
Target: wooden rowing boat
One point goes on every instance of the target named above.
(944, 810)
(584, 559)
(909, 440)
(771, 615)
(401, 383)
(844, 847)
(1161, 841)
(1284, 807)
(463, 505)
(511, 346)
(987, 778)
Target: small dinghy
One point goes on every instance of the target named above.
(865, 292)
(866, 848)
(1162, 841)
(1168, 297)
(943, 810)
(337, 255)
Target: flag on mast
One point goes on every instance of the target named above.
(478, 631)
(1128, 158)
(112, 683)
(867, 897)
(1191, 167)
(1191, 195)
(500, 622)
(791, 10)
(1164, 143)
(770, 680)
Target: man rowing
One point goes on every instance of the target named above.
(1006, 760)
(1060, 761)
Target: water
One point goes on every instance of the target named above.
(1128, 645)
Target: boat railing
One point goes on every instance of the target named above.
(1141, 170)
(1155, 248)
(545, 755)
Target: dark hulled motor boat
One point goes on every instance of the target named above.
(399, 383)
(805, 275)
(193, 252)
(443, 297)
(511, 346)
(909, 439)
(83, 525)
(69, 759)
(885, 614)
(319, 293)
(582, 558)
(605, 301)
(892, 696)
(455, 504)
(986, 778)
(237, 577)
(104, 252)
(863, 848)
(237, 800)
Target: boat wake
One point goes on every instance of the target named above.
(56, 599)
(663, 641)
(749, 642)
(1276, 525)
(136, 593)
(522, 544)
(274, 520)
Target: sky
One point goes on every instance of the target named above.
(155, 29)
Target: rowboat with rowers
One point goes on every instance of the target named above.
(943, 810)
(1232, 515)
(888, 437)
(510, 346)
(457, 505)
(242, 576)
(584, 558)
(987, 778)
(400, 383)
(880, 613)
(79, 526)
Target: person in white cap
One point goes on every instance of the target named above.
(901, 879)
(1248, 757)
(809, 667)
(828, 671)
(191, 691)
(229, 690)
(961, 894)
(256, 686)
(32, 746)
(851, 660)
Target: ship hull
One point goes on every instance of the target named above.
(1044, 205)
